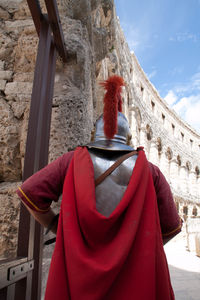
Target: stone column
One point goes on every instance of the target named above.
(153, 154)
(143, 140)
(174, 174)
(198, 186)
(183, 183)
(134, 130)
(164, 165)
(193, 183)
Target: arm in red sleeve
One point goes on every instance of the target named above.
(169, 219)
(46, 185)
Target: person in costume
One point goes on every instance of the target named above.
(116, 213)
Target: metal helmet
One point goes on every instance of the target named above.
(120, 139)
(112, 131)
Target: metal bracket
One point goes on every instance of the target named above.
(21, 269)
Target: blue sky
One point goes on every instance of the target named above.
(165, 37)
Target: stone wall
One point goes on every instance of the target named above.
(97, 49)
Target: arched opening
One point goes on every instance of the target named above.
(149, 132)
(159, 145)
(197, 171)
(179, 160)
(177, 206)
(194, 211)
(169, 153)
(185, 210)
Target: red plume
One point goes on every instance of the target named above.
(112, 104)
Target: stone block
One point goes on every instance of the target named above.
(11, 5)
(2, 63)
(18, 109)
(18, 25)
(6, 75)
(2, 85)
(18, 88)
(4, 15)
(10, 169)
(23, 77)
(9, 218)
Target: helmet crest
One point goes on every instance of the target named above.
(112, 104)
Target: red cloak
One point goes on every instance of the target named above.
(108, 258)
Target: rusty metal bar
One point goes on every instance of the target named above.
(55, 24)
(34, 138)
(48, 106)
(36, 13)
(45, 132)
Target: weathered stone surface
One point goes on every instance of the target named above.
(6, 46)
(18, 26)
(9, 218)
(6, 75)
(23, 77)
(15, 88)
(2, 85)
(22, 11)
(4, 15)
(11, 5)
(18, 109)
(2, 63)
(25, 51)
(10, 161)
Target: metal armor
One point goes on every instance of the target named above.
(111, 190)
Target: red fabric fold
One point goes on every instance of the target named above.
(116, 257)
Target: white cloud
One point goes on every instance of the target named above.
(181, 106)
(184, 36)
(188, 108)
(170, 97)
(137, 37)
(176, 70)
(192, 115)
(196, 81)
(191, 87)
(132, 34)
(152, 74)
(185, 100)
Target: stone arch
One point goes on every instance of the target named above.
(149, 132)
(169, 153)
